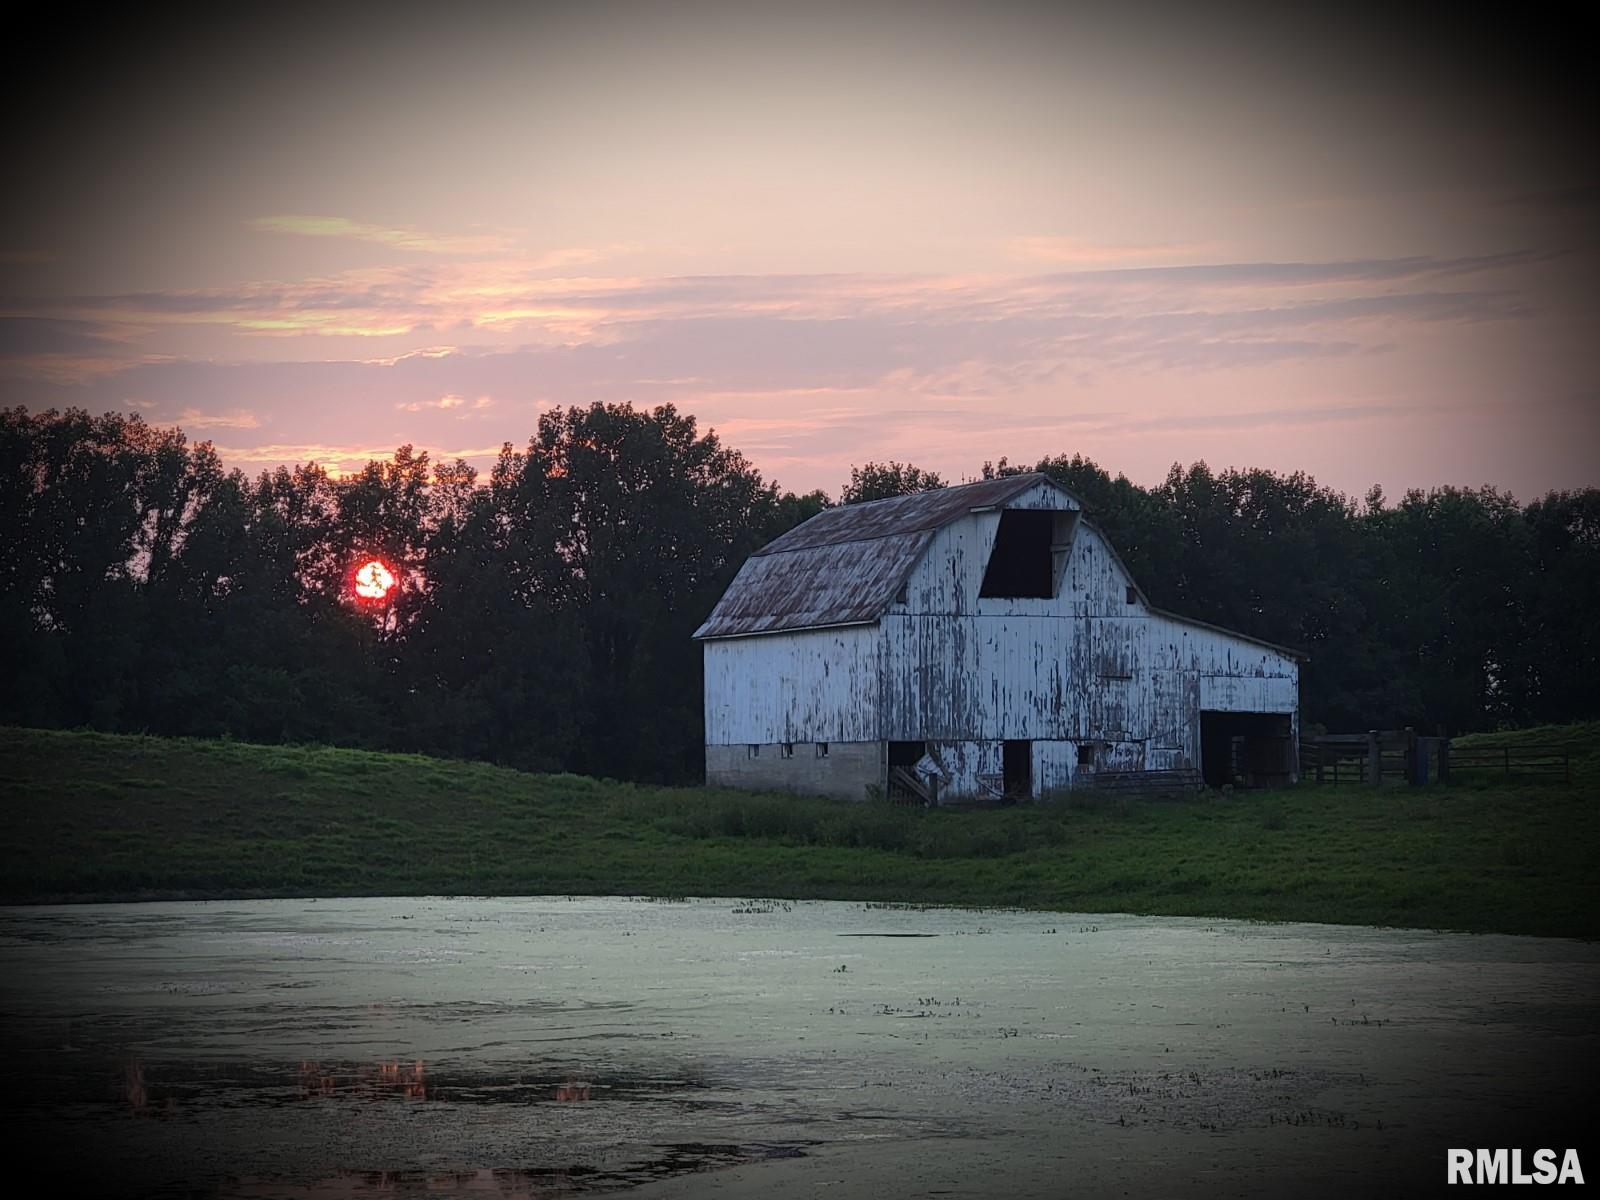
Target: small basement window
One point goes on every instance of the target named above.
(822, 749)
(788, 750)
(752, 751)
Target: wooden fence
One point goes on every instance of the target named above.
(907, 787)
(1378, 756)
(1367, 759)
(1527, 760)
(1333, 764)
(1179, 782)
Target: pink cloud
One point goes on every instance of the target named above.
(399, 238)
(810, 372)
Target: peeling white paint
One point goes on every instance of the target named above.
(1094, 665)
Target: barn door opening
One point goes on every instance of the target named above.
(1016, 765)
(904, 784)
(906, 754)
(1246, 749)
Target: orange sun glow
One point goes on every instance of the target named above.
(373, 580)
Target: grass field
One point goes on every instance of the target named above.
(97, 816)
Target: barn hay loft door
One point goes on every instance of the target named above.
(1029, 555)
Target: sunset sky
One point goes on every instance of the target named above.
(833, 232)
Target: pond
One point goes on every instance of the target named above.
(573, 1046)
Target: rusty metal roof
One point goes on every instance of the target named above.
(900, 514)
(847, 583)
(844, 565)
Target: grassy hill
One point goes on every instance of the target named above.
(97, 816)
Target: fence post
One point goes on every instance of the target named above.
(1374, 759)
(1444, 760)
(1506, 750)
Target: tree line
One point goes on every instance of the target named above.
(542, 615)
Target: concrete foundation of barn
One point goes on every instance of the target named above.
(842, 770)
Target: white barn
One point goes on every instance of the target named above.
(986, 642)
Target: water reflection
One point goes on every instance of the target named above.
(355, 1185)
(130, 1082)
(670, 1160)
(133, 1087)
(385, 1080)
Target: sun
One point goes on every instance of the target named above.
(373, 580)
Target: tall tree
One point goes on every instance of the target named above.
(636, 521)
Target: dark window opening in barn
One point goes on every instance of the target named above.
(1016, 766)
(906, 754)
(1086, 754)
(788, 750)
(822, 749)
(1133, 594)
(905, 785)
(1246, 749)
(1021, 564)
(902, 594)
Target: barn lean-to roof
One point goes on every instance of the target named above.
(845, 565)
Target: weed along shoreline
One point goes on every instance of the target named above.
(103, 817)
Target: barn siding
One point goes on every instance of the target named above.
(1247, 693)
(1086, 666)
(1055, 766)
(815, 686)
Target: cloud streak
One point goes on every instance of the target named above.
(797, 369)
(511, 301)
(517, 342)
(1050, 248)
(301, 225)
(196, 418)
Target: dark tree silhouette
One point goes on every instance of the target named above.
(544, 614)
(879, 481)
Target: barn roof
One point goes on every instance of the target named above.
(844, 565)
(900, 515)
